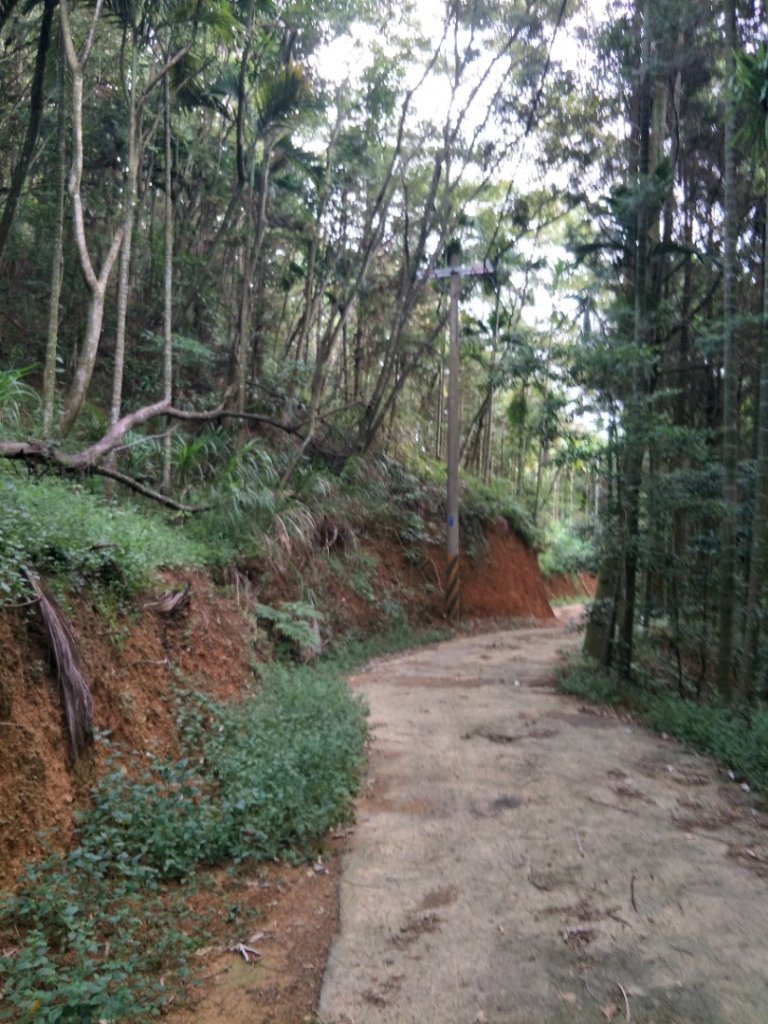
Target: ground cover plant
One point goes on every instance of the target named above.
(102, 932)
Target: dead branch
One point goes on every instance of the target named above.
(632, 893)
(171, 602)
(578, 842)
(147, 492)
(626, 1001)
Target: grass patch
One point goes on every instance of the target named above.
(581, 678)
(74, 537)
(737, 737)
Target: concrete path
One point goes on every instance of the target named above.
(521, 858)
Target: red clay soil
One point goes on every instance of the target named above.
(132, 663)
(505, 582)
(566, 586)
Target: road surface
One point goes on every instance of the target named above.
(522, 858)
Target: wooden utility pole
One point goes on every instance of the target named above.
(453, 550)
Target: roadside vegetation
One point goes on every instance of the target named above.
(106, 929)
(735, 735)
(224, 324)
(101, 932)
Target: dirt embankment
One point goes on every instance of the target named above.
(135, 658)
(133, 661)
(570, 586)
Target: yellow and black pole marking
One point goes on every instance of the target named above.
(452, 590)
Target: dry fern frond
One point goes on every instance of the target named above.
(74, 691)
(171, 602)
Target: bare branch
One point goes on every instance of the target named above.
(161, 72)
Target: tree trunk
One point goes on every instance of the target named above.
(634, 412)
(129, 219)
(758, 562)
(36, 103)
(57, 263)
(97, 285)
(727, 585)
(167, 285)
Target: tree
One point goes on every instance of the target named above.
(751, 81)
(727, 587)
(97, 283)
(33, 124)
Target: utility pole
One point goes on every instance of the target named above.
(453, 549)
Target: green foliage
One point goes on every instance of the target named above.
(97, 935)
(482, 503)
(158, 822)
(251, 512)
(568, 549)
(69, 534)
(294, 621)
(286, 763)
(90, 939)
(751, 88)
(408, 498)
(15, 398)
(738, 739)
(585, 679)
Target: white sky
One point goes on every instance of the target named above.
(343, 59)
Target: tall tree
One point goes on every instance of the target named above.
(96, 282)
(36, 103)
(727, 587)
(751, 73)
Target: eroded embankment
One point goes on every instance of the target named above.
(135, 658)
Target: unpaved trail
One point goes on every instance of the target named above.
(521, 858)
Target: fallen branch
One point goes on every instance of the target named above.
(626, 1001)
(632, 893)
(578, 842)
(90, 459)
(248, 953)
(147, 492)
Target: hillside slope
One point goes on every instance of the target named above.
(135, 659)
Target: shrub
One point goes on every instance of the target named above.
(568, 549)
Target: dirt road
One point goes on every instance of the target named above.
(520, 858)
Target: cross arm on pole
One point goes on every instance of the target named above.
(483, 267)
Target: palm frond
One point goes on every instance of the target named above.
(282, 96)
(751, 88)
(74, 691)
